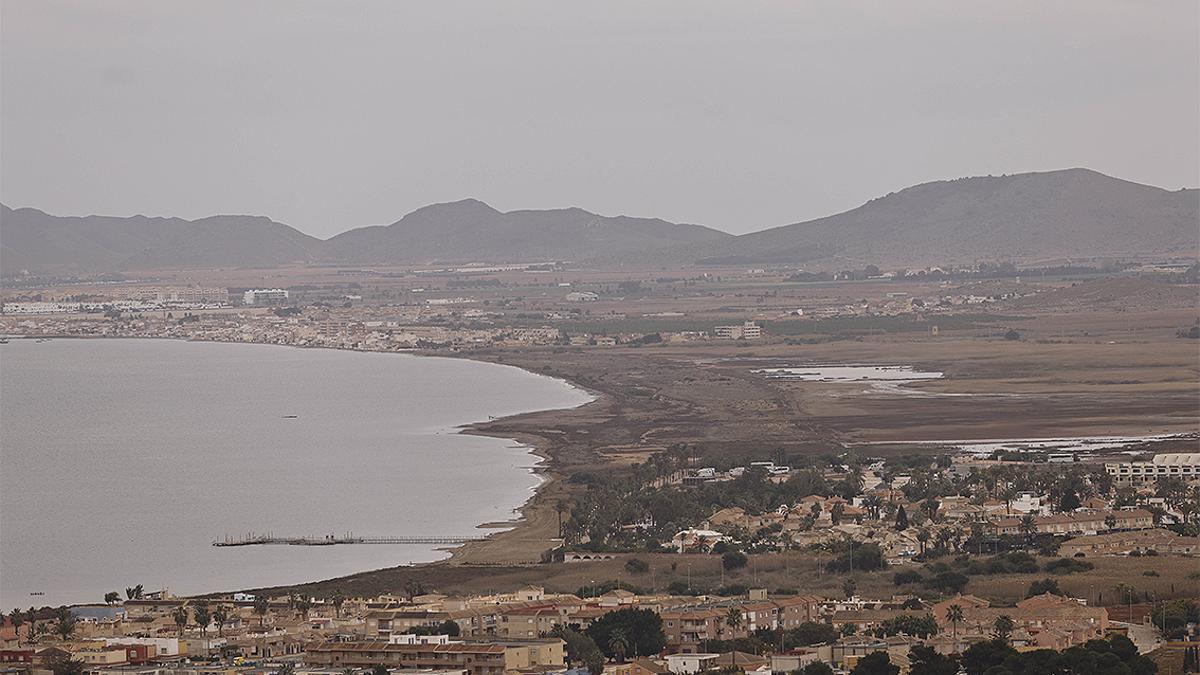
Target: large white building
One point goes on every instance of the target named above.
(265, 296)
(1182, 465)
(747, 331)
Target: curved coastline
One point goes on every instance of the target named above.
(536, 445)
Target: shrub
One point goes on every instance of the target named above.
(907, 577)
(732, 560)
(1046, 585)
(637, 566)
(1068, 566)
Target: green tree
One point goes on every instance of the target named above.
(580, 649)
(618, 644)
(1047, 585)
(733, 619)
(288, 668)
(413, 588)
(925, 660)
(134, 592)
(732, 560)
(220, 615)
(816, 668)
(380, 670)
(982, 656)
(954, 614)
(809, 633)
(641, 628)
(338, 600)
(1069, 501)
(1028, 527)
(261, 607)
(849, 585)
(16, 618)
(203, 616)
(901, 519)
(1003, 628)
(875, 663)
(60, 664)
(180, 617)
(112, 597)
(64, 622)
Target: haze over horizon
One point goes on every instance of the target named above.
(735, 119)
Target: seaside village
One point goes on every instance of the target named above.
(929, 623)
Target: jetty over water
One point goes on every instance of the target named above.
(333, 540)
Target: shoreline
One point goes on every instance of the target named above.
(536, 445)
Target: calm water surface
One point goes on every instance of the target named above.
(122, 460)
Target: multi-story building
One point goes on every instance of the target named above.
(265, 296)
(747, 331)
(475, 659)
(1182, 465)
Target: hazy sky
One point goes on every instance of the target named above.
(739, 115)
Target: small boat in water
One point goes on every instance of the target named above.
(290, 417)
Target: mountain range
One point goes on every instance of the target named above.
(1072, 213)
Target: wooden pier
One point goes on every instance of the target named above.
(334, 540)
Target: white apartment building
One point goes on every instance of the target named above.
(1182, 465)
(265, 296)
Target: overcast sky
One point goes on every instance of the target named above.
(739, 115)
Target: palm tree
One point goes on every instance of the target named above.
(1004, 627)
(1008, 496)
(288, 668)
(134, 592)
(180, 615)
(338, 600)
(34, 630)
(922, 538)
(203, 616)
(954, 614)
(303, 604)
(220, 615)
(1028, 528)
(617, 644)
(17, 618)
(561, 507)
(64, 623)
(261, 606)
(733, 619)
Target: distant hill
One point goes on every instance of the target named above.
(1024, 217)
(463, 231)
(1030, 217)
(36, 241)
(470, 230)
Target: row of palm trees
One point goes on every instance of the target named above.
(63, 624)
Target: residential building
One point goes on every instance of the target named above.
(747, 331)
(265, 296)
(1121, 543)
(1182, 465)
(1082, 522)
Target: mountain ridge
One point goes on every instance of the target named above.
(1049, 215)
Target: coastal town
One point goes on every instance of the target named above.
(911, 548)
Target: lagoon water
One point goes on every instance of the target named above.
(122, 460)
